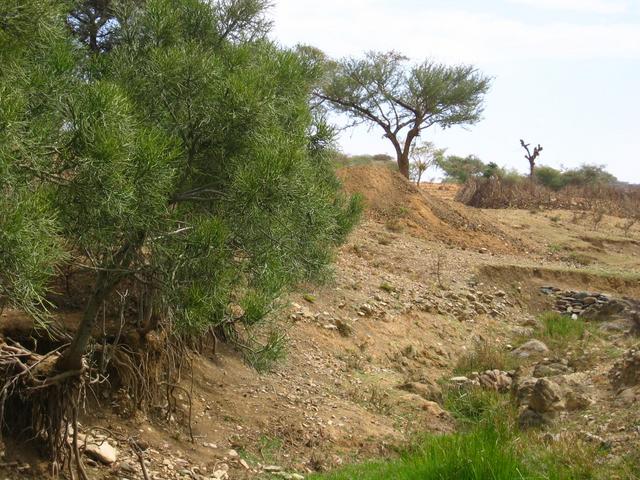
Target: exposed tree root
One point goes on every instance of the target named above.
(43, 404)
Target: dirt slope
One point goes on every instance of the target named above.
(399, 203)
(416, 285)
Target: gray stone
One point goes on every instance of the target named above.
(531, 349)
(529, 419)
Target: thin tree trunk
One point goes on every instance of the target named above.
(106, 281)
(72, 357)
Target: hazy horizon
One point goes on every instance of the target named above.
(566, 72)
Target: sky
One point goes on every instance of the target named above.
(566, 73)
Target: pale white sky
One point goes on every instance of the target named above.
(567, 72)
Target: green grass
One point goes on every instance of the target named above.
(471, 405)
(479, 455)
(559, 329)
(485, 356)
(488, 447)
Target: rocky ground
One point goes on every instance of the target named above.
(420, 284)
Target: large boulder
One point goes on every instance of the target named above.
(532, 348)
(546, 397)
(552, 368)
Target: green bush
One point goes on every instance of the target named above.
(183, 159)
(584, 176)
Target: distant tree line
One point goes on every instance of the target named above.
(459, 169)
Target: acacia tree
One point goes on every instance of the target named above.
(423, 157)
(381, 90)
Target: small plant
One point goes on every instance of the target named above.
(560, 329)
(471, 405)
(394, 225)
(578, 258)
(384, 240)
(627, 225)
(555, 218)
(265, 356)
(309, 298)
(484, 356)
(577, 217)
(353, 361)
(597, 217)
(378, 401)
(270, 448)
(555, 248)
(387, 287)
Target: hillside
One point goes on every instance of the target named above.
(421, 283)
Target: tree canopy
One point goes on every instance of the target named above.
(585, 175)
(459, 169)
(175, 151)
(381, 90)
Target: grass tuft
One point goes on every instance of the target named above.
(560, 329)
(485, 356)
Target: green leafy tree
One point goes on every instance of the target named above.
(37, 61)
(382, 91)
(423, 157)
(459, 169)
(550, 177)
(194, 170)
(183, 159)
(588, 175)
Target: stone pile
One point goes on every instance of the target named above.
(466, 305)
(541, 399)
(588, 305)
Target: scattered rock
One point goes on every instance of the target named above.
(575, 400)
(427, 391)
(495, 380)
(626, 371)
(531, 348)
(344, 328)
(220, 475)
(102, 451)
(629, 396)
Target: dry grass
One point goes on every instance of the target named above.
(622, 201)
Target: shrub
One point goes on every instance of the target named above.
(502, 192)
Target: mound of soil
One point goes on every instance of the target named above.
(403, 206)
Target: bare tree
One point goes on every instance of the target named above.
(531, 157)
